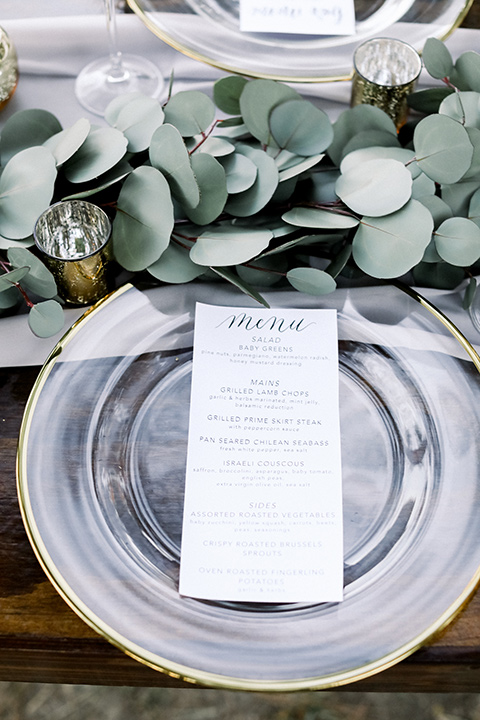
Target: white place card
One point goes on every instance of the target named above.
(263, 498)
(305, 17)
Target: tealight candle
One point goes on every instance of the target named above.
(8, 69)
(385, 73)
(74, 238)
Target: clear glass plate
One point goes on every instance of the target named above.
(208, 30)
(101, 479)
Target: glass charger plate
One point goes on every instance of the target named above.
(208, 30)
(101, 479)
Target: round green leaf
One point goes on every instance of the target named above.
(437, 59)
(311, 280)
(224, 247)
(438, 208)
(422, 186)
(389, 246)
(216, 146)
(438, 275)
(470, 292)
(26, 189)
(377, 187)
(458, 196)
(240, 172)
(474, 169)
(9, 299)
(25, 129)
(102, 149)
(210, 177)
(464, 107)
(190, 111)
(39, 279)
(66, 143)
(474, 208)
(169, 155)
(428, 101)
(112, 176)
(355, 121)
(261, 192)
(175, 266)
(301, 128)
(226, 93)
(375, 152)
(300, 165)
(258, 99)
(442, 148)
(144, 219)
(264, 272)
(467, 68)
(137, 119)
(457, 241)
(316, 218)
(369, 138)
(6, 243)
(46, 318)
(11, 278)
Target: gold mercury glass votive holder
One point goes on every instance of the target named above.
(8, 69)
(74, 238)
(385, 73)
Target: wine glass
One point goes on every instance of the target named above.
(103, 80)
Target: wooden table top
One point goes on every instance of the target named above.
(42, 640)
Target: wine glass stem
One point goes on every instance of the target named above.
(117, 72)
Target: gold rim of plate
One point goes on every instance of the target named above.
(226, 67)
(161, 664)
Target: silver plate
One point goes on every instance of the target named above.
(101, 478)
(208, 30)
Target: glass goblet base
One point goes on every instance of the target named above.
(101, 81)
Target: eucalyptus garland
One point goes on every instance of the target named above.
(271, 193)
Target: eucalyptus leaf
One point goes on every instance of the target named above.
(224, 247)
(258, 99)
(458, 195)
(442, 148)
(474, 169)
(216, 146)
(301, 128)
(175, 266)
(169, 155)
(102, 150)
(12, 277)
(240, 172)
(137, 119)
(261, 192)
(429, 100)
(437, 59)
(457, 241)
(66, 143)
(422, 186)
(190, 111)
(9, 299)
(464, 107)
(115, 175)
(375, 152)
(470, 292)
(377, 187)
(467, 68)
(339, 262)
(25, 129)
(144, 219)
(318, 218)
(212, 183)
(39, 279)
(298, 167)
(239, 283)
(438, 208)
(390, 246)
(263, 272)
(367, 138)
(6, 243)
(26, 189)
(431, 254)
(438, 275)
(226, 93)
(46, 318)
(474, 208)
(354, 121)
(311, 280)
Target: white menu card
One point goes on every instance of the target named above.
(263, 497)
(305, 17)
